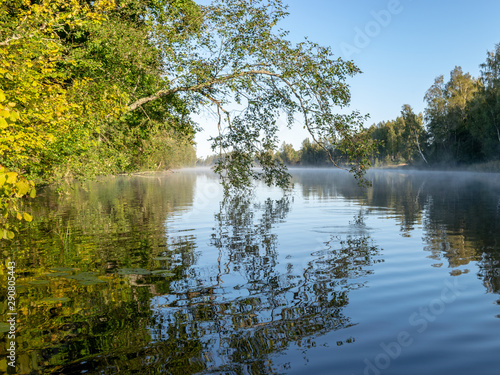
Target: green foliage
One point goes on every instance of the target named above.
(413, 133)
(312, 154)
(68, 70)
(288, 155)
(401, 140)
(121, 55)
(447, 117)
(46, 123)
(484, 109)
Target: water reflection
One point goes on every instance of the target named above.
(120, 276)
(75, 304)
(245, 310)
(459, 212)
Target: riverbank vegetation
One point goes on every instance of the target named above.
(108, 86)
(68, 70)
(101, 87)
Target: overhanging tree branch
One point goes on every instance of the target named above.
(196, 88)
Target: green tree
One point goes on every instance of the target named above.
(386, 135)
(37, 110)
(446, 115)
(45, 124)
(484, 110)
(125, 54)
(237, 54)
(414, 133)
(313, 153)
(288, 155)
(402, 139)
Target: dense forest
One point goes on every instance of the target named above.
(68, 70)
(460, 125)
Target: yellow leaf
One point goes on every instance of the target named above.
(14, 115)
(27, 217)
(19, 216)
(22, 188)
(3, 123)
(2, 96)
(11, 177)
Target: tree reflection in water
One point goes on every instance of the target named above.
(459, 212)
(240, 313)
(107, 284)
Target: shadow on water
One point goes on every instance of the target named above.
(107, 284)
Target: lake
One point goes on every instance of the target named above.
(160, 273)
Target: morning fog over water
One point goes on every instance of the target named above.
(161, 274)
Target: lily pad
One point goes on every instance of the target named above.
(62, 269)
(163, 273)
(86, 278)
(4, 327)
(133, 271)
(87, 274)
(56, 274)
(39, 282)
(55, 299)
(162, 258)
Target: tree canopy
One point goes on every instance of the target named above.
(232, 53)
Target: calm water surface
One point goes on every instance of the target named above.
(160, 274)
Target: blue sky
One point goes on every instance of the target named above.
(400, 45)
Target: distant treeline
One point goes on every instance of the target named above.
(309, 154)
(460, 126)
